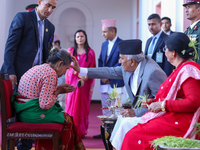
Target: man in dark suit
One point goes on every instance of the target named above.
(109, 57)
(166, 25)
(155, 44)
(29, 40)
(23, 47)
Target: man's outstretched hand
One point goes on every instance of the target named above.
(75, 65)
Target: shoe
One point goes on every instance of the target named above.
(97, 136)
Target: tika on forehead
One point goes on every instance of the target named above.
(108, 23)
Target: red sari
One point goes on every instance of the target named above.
(78, 102)
(183, 83)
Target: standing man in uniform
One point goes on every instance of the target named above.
(29, 40)
(166, 25)
(31, 7)
(192, 9)
(109, 57)
(155, 44)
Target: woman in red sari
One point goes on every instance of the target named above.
(78, 102)
(176, 107)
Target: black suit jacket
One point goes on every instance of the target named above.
(172, 32)
(165, 65)
(22, 43)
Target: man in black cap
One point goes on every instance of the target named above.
(141, 75)
(192, 9)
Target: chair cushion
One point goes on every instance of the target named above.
(34, 127)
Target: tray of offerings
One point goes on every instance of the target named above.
(106, 117)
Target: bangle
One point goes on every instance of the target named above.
(163, 106)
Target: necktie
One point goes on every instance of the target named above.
(151, 48)
(38, 58)
(40, 41)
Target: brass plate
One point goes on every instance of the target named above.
(105, 118)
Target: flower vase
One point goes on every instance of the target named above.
(112, 108)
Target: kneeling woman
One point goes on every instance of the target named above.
(36, 100)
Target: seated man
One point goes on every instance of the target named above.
(141, 74)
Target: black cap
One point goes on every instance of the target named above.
(191, 2)
(31, 6)
(130, 47)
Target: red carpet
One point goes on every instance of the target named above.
(94, 127)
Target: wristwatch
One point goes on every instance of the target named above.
(163, 106)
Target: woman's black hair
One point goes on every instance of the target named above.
(179, 42)
(59, 55)
(86, 45)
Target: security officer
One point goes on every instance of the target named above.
(192, 9)
(31, 7)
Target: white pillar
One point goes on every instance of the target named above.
(3, 27)
(146, 9)
(174, 10)
(7, 8)
(134, 19)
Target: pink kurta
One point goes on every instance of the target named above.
(40, 82)
(78, 102)
(179, 115)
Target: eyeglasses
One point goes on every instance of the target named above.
(164, 49)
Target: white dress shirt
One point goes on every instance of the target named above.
(156, 40)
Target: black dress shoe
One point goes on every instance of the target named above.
(97, 136)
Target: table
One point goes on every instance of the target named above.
(106, 130)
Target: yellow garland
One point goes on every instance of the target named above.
(193, 44)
